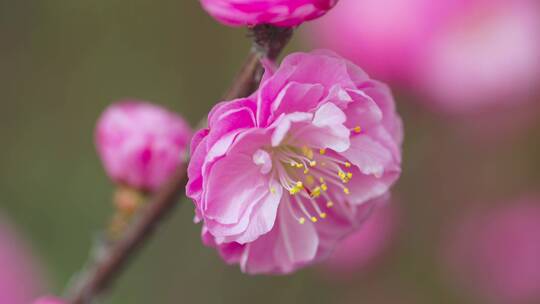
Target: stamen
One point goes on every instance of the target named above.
(297, 188)
(318, 210)
(316, 174)
(357, 129)
(303, 208)
(301, 219)
(315, 193)
(345, 177)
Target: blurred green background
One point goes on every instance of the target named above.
(62, 62)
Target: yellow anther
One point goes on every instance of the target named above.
(314, 219)
(299, 165)
(299, 186)
(310, 180)
(357, 129)
(302, 220)
(324, 187)
(347, 164)
(345, 177)
(272, 190)
(322, 215)
(307, 152)
(316, 192)
(321, 180)
(293, 164)
(306, 171)
(329, 204)
(313, 163)
(322, 151)
(346, 190)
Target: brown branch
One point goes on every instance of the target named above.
(269, 41)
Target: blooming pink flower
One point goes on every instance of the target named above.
(20, 278)
(361, 248)
(49, 300)
(279, 177)
(276, 12)
(495, 254)
(141, 144)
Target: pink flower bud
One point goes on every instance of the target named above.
(276, 12)
(141, 144)
(49, 300)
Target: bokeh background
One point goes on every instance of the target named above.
(62, 62)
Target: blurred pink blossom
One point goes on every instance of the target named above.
(279, 177)
(20, 278)
(141, 144)
(460, 56)
(49, 300)
(360, 249)
(276, 12)
(495, 254)
(487, 56)
(386, 37)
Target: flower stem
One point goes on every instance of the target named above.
(109, 259)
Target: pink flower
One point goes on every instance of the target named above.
(141, 144)
(386, 37)
(279, 177)
(276, 12)
(20, 278)
(460, 56)
(486, 57)
(360, 249)
(49, 300)
(495, 253)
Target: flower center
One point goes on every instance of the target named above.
(311, 179)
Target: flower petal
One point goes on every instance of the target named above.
(368, 155)
(234, 184)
